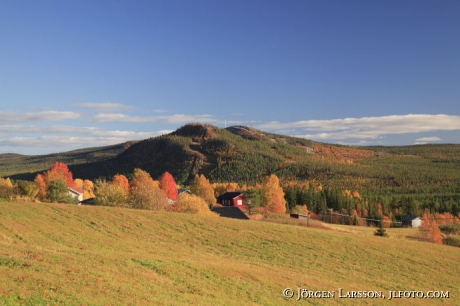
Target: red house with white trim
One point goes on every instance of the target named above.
(231, 199)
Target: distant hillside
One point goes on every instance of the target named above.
(27, 166)
(246, 155)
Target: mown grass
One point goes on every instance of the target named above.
(55, 254)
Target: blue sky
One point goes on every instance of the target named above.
(77, 74)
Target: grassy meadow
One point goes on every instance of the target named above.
(57, 254)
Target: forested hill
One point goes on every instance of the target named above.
(27, 166)
(246, 155)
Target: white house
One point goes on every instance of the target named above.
(412, 222)
(76, 193)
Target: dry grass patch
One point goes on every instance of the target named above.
(53, 254)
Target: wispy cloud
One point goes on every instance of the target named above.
(367, 127)
(118, 117)
(43, 116)
(182, 119)
(106, 107)
(429, 139)
(173, 119)
(84, 138)
(73, 130)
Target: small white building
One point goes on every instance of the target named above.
(412, 222)
(76, 193)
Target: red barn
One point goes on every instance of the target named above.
(231, 199)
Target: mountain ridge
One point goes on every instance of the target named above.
(246, 155)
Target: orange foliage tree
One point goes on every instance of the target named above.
(122, 181)
(59, 171)
(273, 195)
(430, 229)
(168, 185)
(42, 186)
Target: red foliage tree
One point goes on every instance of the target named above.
(168, 185)
(60, 171)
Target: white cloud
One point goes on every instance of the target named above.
(44, 116)
(182, 119)
(107, 107)
(117, 117)
(173, 119)
(428, 139)
(89, 138)
(368, 127)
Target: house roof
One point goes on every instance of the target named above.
(229, 195)
(409, 218)
(76, 190)
(89, 201)
(181, 191)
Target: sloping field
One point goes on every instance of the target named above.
(54, 254)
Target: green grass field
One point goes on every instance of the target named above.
(55, 254)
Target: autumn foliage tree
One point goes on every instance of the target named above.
(168, 185)
(144, 196)
(60, 171)
(57, 191)
(87, 186)
(110, 194)
(201, 187)
(122, 181)
(6, 187)
(190, 203)
(273, 195)
(42, 185)
(141, 177)
(146, 193)
(430, 229)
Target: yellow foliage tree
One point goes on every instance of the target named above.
(201, 187)
(6, 182)
(273, 195)
(141, 177)
(144, 196)
(109, 194)
(192, 204)
(78, 183)
(88, 187)
(6, 188)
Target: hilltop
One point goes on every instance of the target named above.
(56, 254)
(246, 155)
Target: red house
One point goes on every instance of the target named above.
(231, 199)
